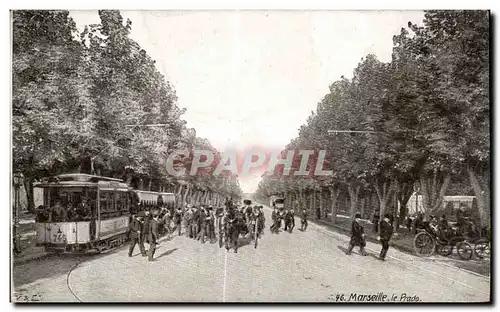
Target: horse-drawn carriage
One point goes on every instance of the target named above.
(464, 239)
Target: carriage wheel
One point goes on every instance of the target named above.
(444, 250)
(464, 250)
(423, 244)
(482, 249)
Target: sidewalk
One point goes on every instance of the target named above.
(404, 242)
(27, 234)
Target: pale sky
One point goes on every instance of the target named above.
(251, 78)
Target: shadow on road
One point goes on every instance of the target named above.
(54, 265)
(342, 248)
(244, 241)
(166, 253)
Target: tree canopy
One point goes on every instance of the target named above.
(425, 113)
(94, 102)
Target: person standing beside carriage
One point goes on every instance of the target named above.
(247, 208)
(254, 222)
(232, 229)
(274, 217)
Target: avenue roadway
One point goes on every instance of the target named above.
(308, 266)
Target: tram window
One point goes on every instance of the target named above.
(103, 201)
(125, 202)
(118, 201)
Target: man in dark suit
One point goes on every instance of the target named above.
(145, 225)
(303, 221)
(135, 231)
(153, 236)
(357, 236)
(202, 225)
(385, 235)
(195, 220)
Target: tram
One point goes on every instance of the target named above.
(87, 213)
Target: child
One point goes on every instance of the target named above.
(358, 236)
(385, 235)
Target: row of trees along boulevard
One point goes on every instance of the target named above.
(419, 122)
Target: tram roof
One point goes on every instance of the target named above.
(80, 177)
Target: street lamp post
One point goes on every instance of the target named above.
(18, 180)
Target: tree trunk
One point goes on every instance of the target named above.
(383, 195)
(404, 196)
(188, 188)
(321, 209)
(353, 195)
(334, 194)
(362, 206)
(28, 186)
(482, 197)
(432, 198)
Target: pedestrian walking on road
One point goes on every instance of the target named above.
(303, 221)
(202, 225)
(178, 220)
(145, 225)
(275, 217)
(188, 217)
(153, 236)
(290, 219)
(385, 235)
(357, 236)
(195, 220)
(135, 230)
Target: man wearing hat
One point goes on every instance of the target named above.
(135, 228)
(153, 236)
(188, 216)
(178, 220)
(303, 220)
(385, 235)
(145, 225)
(274, 216)
(210, 221)
(290, 219)
(202, 224)
(357, 236)
(195, 222)
(262, 220)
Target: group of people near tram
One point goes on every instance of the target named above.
(59, 212)
(204, 223)
(199, 222)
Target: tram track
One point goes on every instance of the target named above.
(68, 278)
(80, 260)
